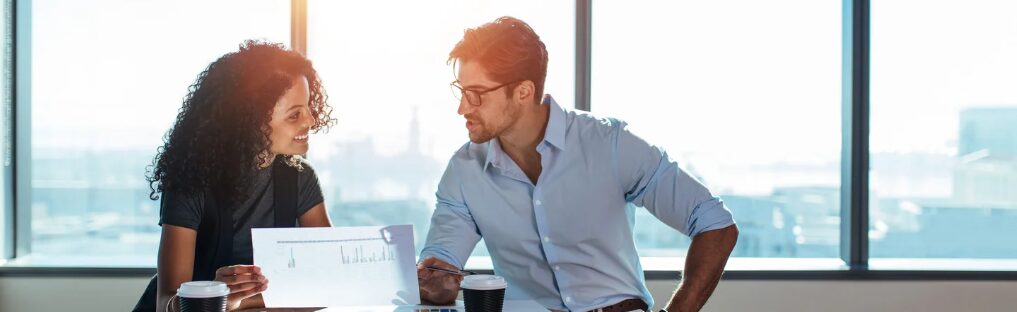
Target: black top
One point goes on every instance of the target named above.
(254, 212)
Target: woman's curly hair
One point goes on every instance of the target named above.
(223, 124)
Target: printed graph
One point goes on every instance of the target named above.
(352, 266)
(350, 251)
(361, 256)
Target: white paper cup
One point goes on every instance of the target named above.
(203, 296)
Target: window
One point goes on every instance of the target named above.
(943, 131)
(108, 78)
(397, 122)
(746, 96)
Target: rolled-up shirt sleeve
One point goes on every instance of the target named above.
(651, 179)
(453, 233)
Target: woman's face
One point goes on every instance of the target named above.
(291, 120)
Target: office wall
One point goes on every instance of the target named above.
(119, 294)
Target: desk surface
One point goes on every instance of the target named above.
(510, 306)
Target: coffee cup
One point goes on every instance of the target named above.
(203, 296)
(483, 293)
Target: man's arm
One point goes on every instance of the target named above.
(703, 267)
(450, 240)
(652, 180)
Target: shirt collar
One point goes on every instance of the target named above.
(554, 132)
(493, 151)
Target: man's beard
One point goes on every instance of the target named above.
(487, 133)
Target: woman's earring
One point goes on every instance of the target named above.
(264, 159)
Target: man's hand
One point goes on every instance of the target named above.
(438, 288)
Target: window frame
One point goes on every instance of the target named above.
(7, 101)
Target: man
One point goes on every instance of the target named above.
(548, 188)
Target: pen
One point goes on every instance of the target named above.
(462, 272)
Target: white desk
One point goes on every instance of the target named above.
(510, 306)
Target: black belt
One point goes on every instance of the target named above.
(625, 306)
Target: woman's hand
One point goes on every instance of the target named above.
(244, 281)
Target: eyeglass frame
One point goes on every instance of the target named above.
(480, 94)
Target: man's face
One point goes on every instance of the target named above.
(495, 113)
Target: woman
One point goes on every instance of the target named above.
(232, 162)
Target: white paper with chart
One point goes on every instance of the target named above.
(335, 267)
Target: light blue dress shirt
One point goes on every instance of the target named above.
(567, 241)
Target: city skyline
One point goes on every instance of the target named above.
(108, 203)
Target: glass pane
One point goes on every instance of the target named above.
(384, 66)
(108, 78)
(746, 96)
(944, 130)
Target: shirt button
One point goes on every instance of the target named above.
(568, 299)
(557, 268)
(537, 202)
(547, 239)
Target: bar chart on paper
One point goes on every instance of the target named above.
(351, 251)
(315, 267)
(358, 255)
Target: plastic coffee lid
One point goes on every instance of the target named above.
(483, 282)
(203, 289)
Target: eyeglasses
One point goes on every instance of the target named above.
(473, 96)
